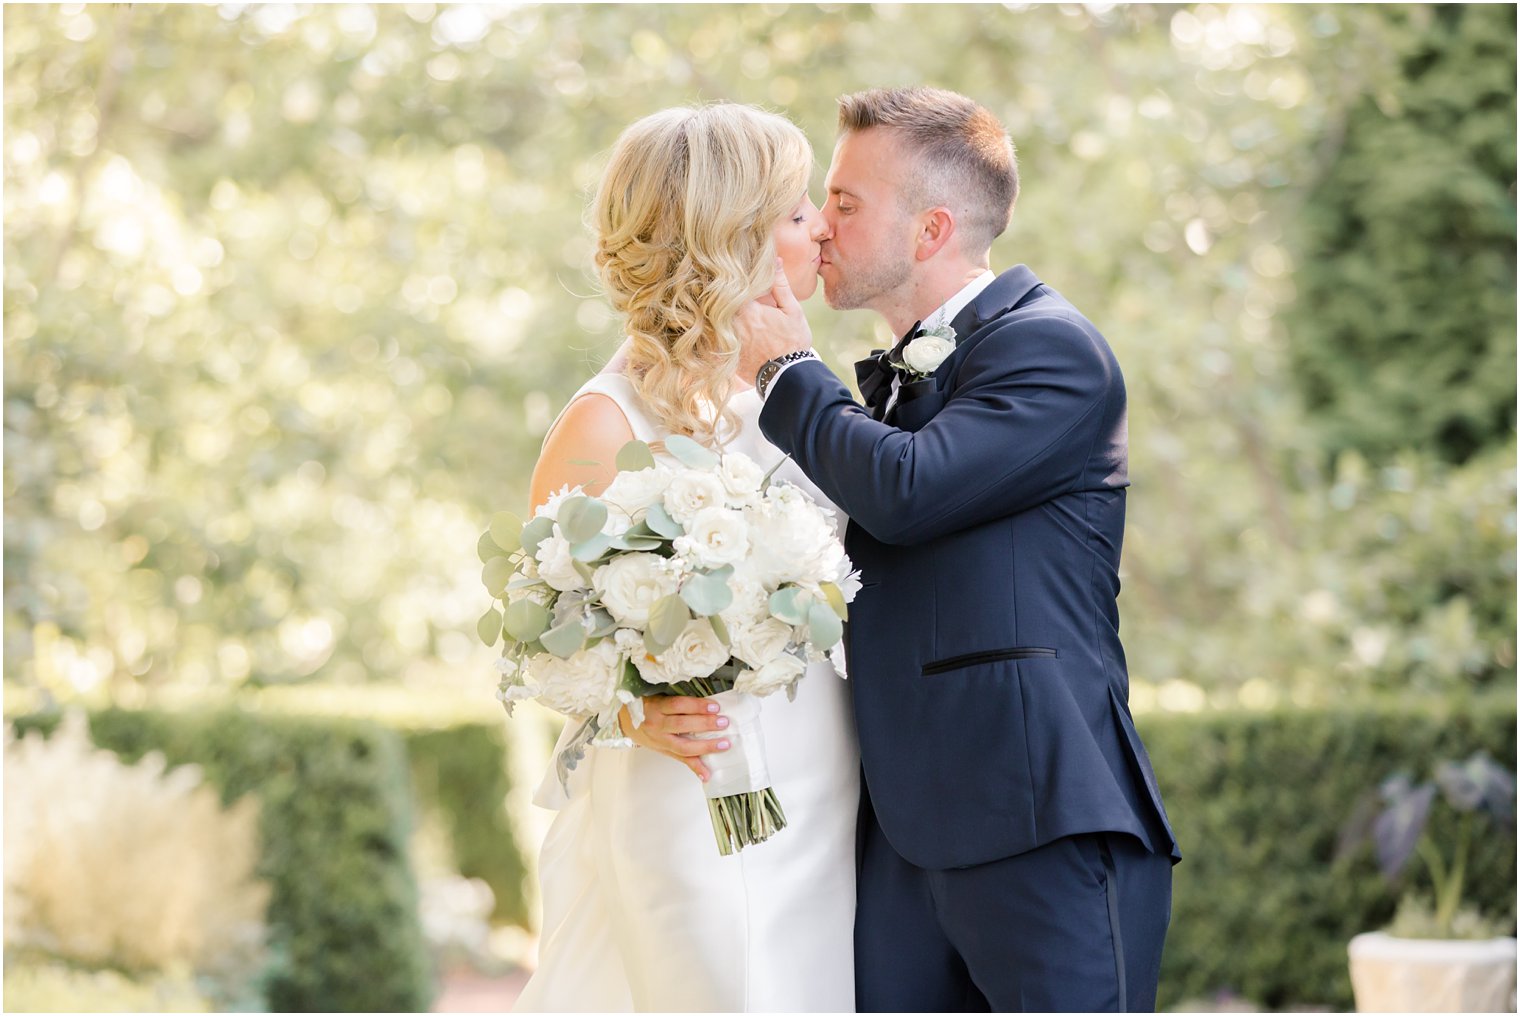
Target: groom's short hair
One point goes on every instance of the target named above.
(964, 158)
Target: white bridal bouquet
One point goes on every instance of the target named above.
(702, 578)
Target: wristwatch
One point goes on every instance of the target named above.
(770, 368)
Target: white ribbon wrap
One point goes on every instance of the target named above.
(741, 769)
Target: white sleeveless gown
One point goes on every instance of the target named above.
(642, 914)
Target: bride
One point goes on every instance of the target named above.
(641, 913)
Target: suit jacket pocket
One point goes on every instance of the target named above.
(989, 656)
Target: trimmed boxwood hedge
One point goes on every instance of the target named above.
(1261, 907)
(461, 770)
(336, 813)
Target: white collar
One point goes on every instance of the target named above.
(950, 308)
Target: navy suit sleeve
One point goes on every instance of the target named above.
(1022, 416)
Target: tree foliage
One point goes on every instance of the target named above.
(292, 294)
(1404, 333)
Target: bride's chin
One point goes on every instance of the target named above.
(805, 286)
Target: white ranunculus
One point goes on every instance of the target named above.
(793, 541)
(741, 477)
(635, 490)
(774, 676)
(714, 537)
(552, 505)
(848, 581)
(556, 566)
(695, 653)
(751, 602)
(691, 491)
(760, 642)
(581, 685)
(629, 585)
(924, 354)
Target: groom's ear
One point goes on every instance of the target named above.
(935, 228)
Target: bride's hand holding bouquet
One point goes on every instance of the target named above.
(699, 579)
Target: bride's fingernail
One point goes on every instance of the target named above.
(713, 707)
(722, 722)
(722, 745)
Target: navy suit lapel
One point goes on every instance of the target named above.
(1005, 293)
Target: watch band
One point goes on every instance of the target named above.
(770, 368)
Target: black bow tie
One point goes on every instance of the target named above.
(874, 374)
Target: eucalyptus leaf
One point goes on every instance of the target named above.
(667, 620)
(581, 518)
(835, 596)
(659, 520)
(824, 626)
(720, 629)
(633, 456)
(789, 604)
(486, 548)
(525, 620)
(602, 623)
(496, 574)
(506, 531)
(707, 594)
(627, 542)
(592, 548)
(689, 453)
(565, 640)
(535, 532)
(489, 626)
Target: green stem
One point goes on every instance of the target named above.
(1448, 902)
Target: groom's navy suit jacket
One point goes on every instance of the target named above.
(986, 518)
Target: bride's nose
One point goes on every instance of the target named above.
(821, 230)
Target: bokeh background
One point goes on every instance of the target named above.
(292, 294)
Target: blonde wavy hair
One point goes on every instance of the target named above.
(683, 221)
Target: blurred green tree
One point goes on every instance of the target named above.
(1404, 332)
(292, 294)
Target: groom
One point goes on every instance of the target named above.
(1014, 852)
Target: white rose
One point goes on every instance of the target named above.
(635, 490)
(551, 507)
(793, 541)
(556, 566)
(924, 354)
(848, 581)
(582, 685)
(751, 602)
(629, 585)
(690, 492)
(775, 675)
(741, 477)
(695, 653)
(714, 537)
(759, 643)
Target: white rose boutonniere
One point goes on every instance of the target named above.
(923, 355)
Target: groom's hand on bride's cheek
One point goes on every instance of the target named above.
(771, 326)
(670, 721)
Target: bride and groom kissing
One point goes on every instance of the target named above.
(974, 824)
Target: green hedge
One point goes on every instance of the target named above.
(462, 772)
(1261, 907)
(343, 922)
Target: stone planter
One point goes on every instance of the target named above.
(1391, 974)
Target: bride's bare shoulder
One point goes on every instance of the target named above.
(581, 448)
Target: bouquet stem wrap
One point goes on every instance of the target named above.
(743, 807)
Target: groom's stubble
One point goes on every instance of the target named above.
(866, 278)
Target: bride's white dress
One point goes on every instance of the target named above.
(641, 913)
